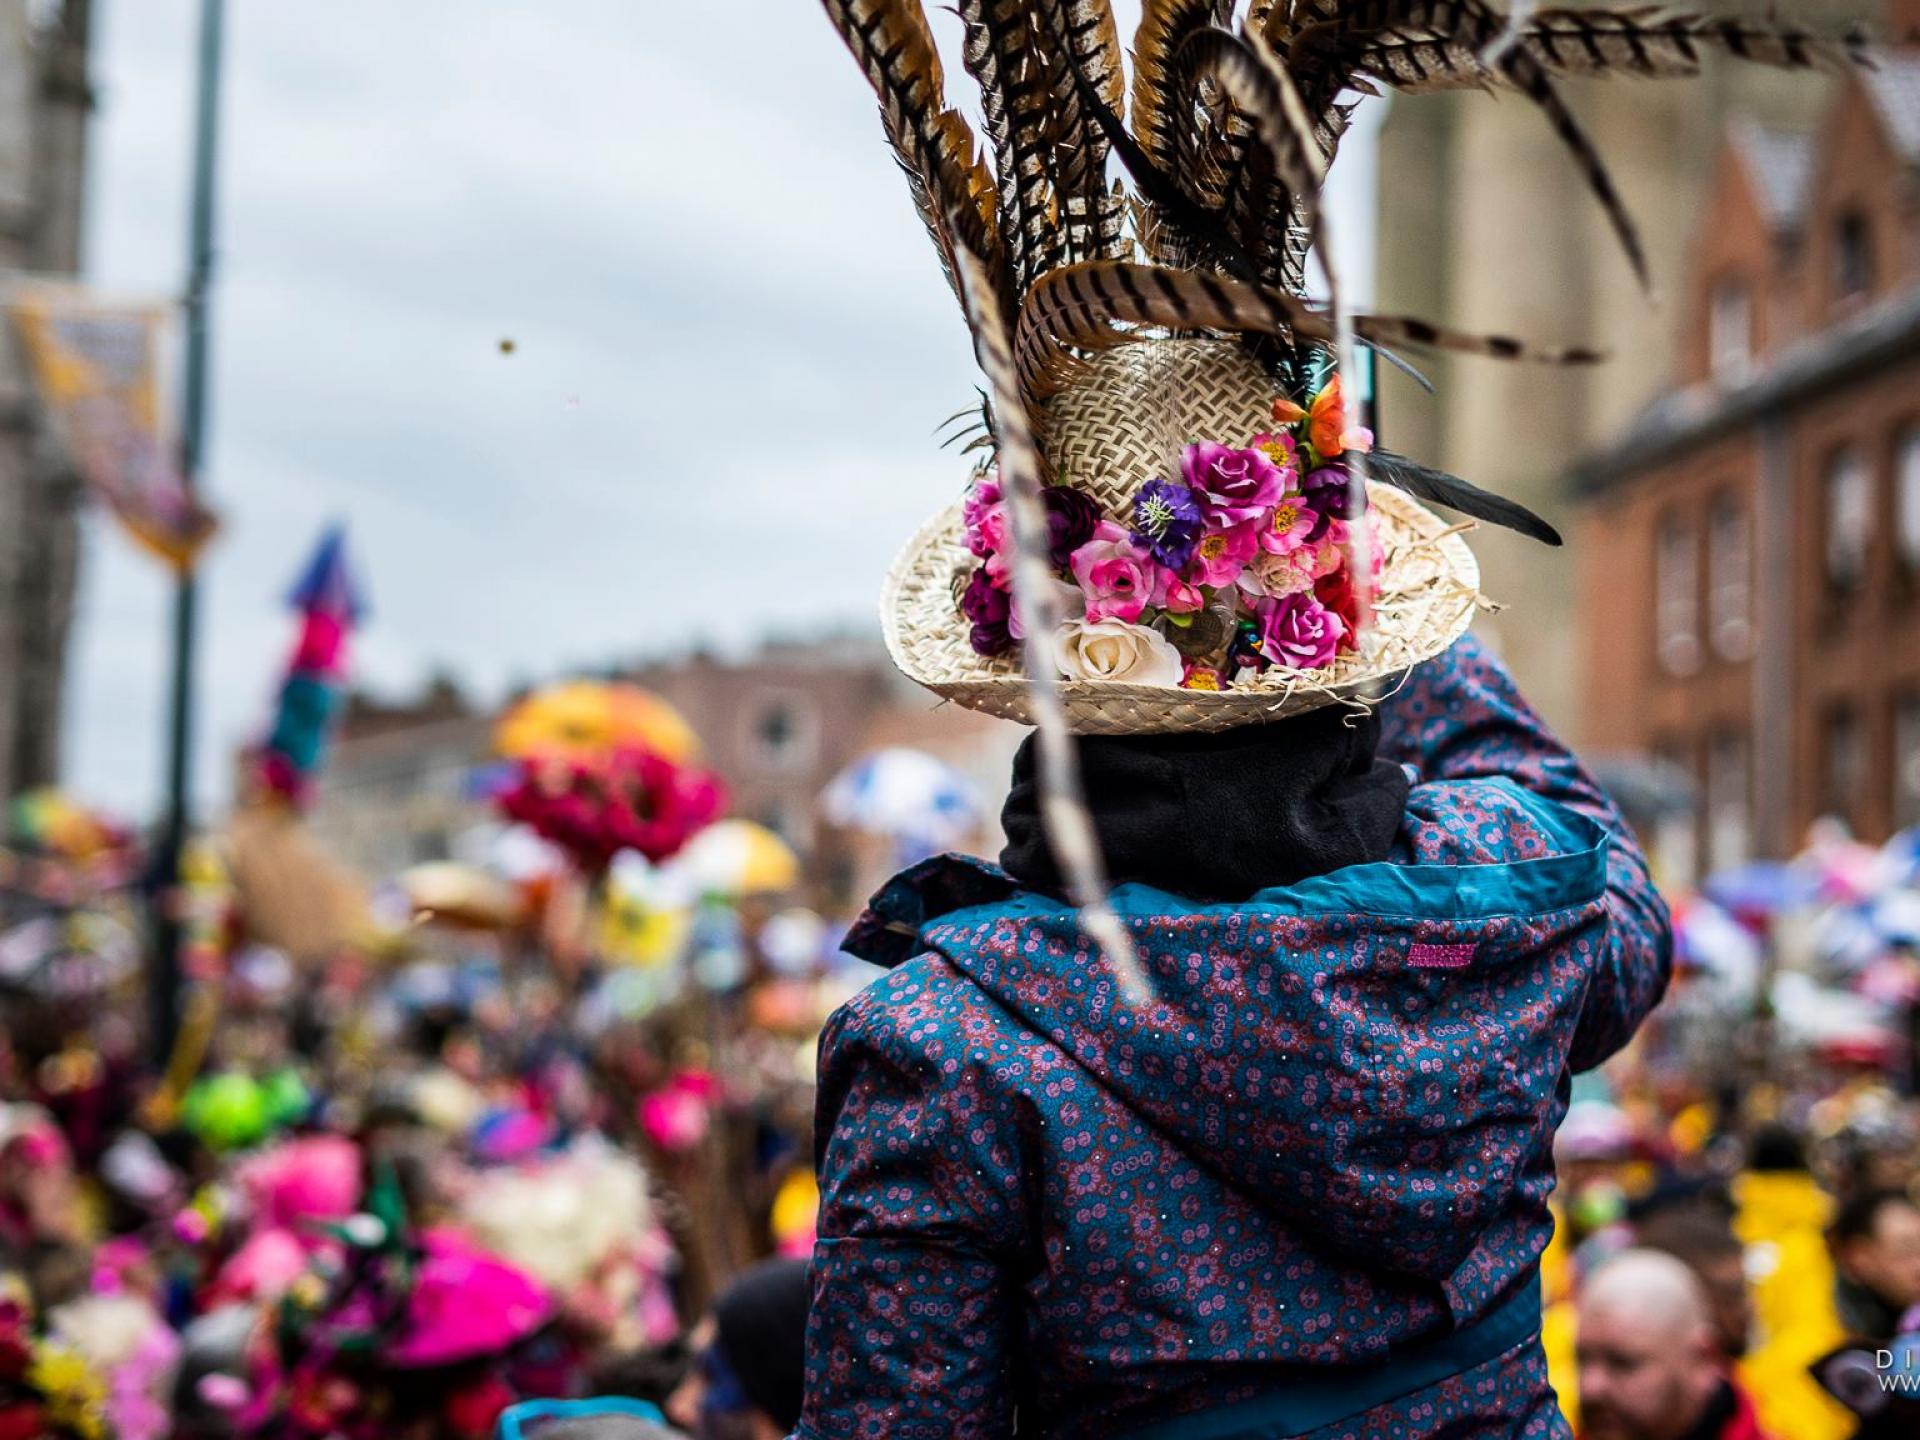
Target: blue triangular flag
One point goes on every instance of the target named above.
(326, 584)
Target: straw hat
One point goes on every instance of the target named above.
(1094, 431)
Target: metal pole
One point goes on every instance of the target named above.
(169, 929)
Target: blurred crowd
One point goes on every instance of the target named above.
(526, 1142)
(397, 1190)
(1738, 1247)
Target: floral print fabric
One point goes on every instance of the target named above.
(1308, 1149)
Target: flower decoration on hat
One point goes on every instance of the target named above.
(1260, 531)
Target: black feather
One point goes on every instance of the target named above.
(1439, 488)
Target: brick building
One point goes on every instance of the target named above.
(45, 99)
(1484, 224)
(1749, 550)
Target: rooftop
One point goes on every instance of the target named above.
(1683, 419)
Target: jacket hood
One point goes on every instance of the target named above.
(1379, 1053)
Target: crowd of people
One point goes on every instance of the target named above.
(404, 1192)
(400, 1188)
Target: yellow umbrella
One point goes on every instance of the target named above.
(583, 719)
(738, 857)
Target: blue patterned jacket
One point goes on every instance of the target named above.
(1262, 1204)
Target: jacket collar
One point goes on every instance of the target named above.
(888, 932)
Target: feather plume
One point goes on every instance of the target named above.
(1198, 227)
(1329, 49)
(1439, 488)
(1080, 306)
(1063, 803)
(1015, 110)
(1165, 26)
(1648, 42)
(894, 49)
(1263, 95)
(1082, 50)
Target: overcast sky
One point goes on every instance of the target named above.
(732, 344)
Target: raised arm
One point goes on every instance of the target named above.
(1461, 717)
(908, 1333)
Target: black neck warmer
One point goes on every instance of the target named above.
(1217, 817)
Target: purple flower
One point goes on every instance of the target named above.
(1071, 516)
(1299, 632)
(990, 611)
(1167, 520)
(1232, 486)
(1328, 491)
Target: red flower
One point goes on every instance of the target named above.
(632, 799)
(1336, 592)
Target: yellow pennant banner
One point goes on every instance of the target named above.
(100, 371)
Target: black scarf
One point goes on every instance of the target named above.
(1216, 817)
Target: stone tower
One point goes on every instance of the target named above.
(44, 102)
(1485, 224)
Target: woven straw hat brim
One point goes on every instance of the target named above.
(1429, 588)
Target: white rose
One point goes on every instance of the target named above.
(1116, 652)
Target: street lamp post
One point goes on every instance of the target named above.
(169, 929)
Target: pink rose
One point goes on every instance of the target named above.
(1222, 554)
(1174, 595)
(982, 500)
(1299, 632)
(1116, 574)
(983, 516)
(1232, 486)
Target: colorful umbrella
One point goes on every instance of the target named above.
(907, 795)
(1762, 888)
(583, 720)
(738, 857)
(641, 920)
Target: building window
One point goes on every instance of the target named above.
(1677, 596)
(1843, 764)
(1848, 519)
(1906, 760)
(1906, 497)
(1852, 257)
(1730, 331)
(783, 733)
(1730, 578)
(1676, 833)
(1729, 802)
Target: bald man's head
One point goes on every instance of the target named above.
(1649, 1363)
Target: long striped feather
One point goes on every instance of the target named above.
(1063, 802)
(1079, 306)
(1081, 47)
(893, 47)
(1328, 49)
(1648, 42)
(1014, 113)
